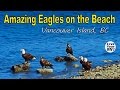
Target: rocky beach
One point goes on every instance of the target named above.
(111, 71)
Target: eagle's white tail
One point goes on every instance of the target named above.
(33, 58)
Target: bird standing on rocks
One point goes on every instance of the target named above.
(45, 63)
(85, 63)
(27, 56)
(69, 49)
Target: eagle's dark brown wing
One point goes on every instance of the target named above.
(27, 56)
(47, 63)
(69, 50)
(87, 66)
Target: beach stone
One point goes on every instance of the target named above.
(98, 77)
(114, 65)
(76, 65)
(105, 66)
(98, 74)
(80, 73)
(98, 67)
(118, 65)
(106, 61)
(20, 67)
(59, 58)
(44, 71)
(118, 70)
(73, 58)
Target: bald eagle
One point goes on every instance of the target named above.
(69, 49)
(45, 63)
(85, 63)
(27, 56)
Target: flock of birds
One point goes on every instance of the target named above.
(86, 65)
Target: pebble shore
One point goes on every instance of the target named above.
(104, 72)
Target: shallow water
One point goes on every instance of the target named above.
(13, 37)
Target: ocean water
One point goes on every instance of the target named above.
(13, 37)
